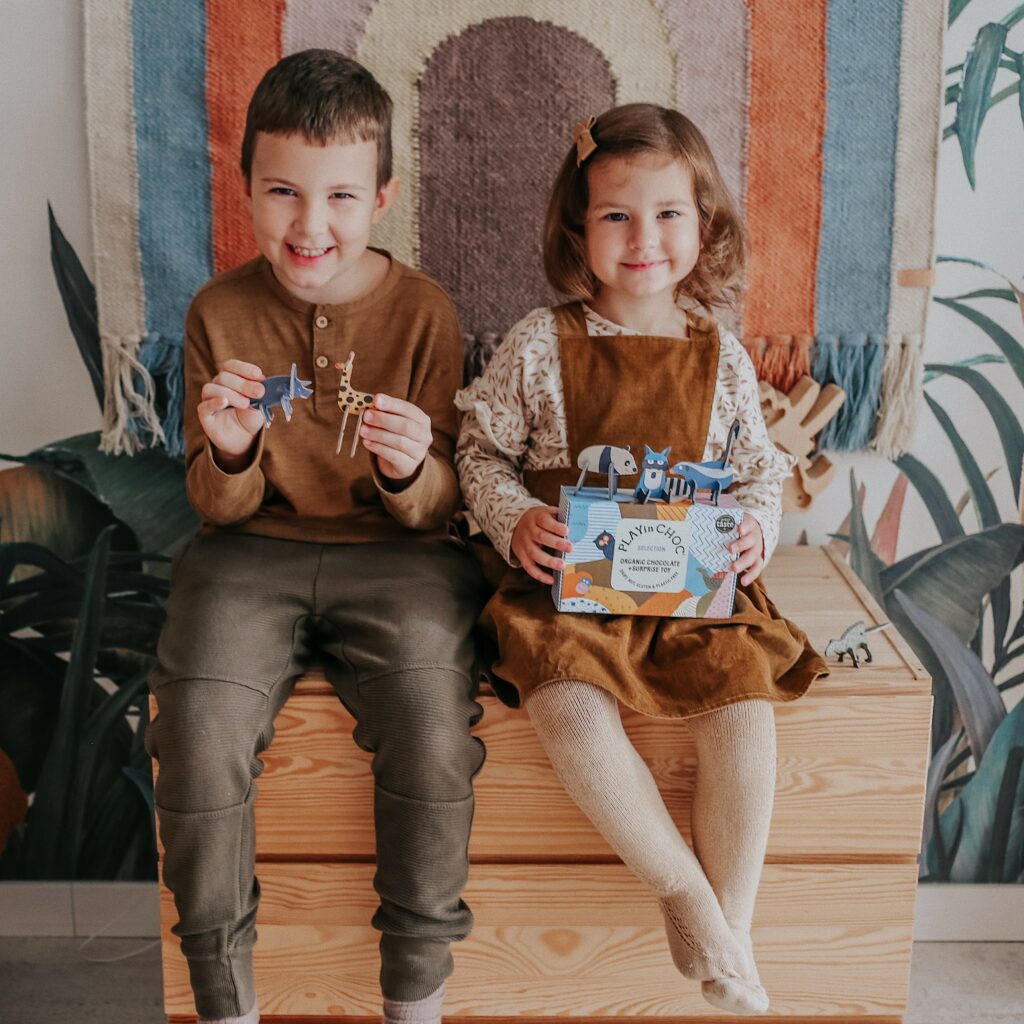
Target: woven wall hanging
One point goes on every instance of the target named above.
(823, 116)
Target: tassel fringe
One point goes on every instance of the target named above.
(902, 387)
(854, 363)
(780, 359)
(144, 396)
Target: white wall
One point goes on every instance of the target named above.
(45, 392)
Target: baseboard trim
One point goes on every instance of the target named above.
(83, 909)
(969, 913)
(943, 913)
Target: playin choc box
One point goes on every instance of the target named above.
(628, 558)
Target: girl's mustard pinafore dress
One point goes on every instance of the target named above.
(637, 389)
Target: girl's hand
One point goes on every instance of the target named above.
(539, 528)
(225, 415)
(750, 548)
(398, 433)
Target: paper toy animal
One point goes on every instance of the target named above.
(605, 458)
(854, 639)
(652, 483)
(605, 543)
(350, 400)
(281, 390)
(713, 475)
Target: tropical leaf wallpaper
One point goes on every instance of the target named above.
(959, 602)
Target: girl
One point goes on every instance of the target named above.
(641, 232)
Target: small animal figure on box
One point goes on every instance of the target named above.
(281, 390)
(652, 486)
(713, 475)
(605, 543)
(576, 584)
(854, 639)
(350, 400)
(605, 458)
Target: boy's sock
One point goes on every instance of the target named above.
(582, 733)
(730, 818)
(252, 1017)
(423, 1011)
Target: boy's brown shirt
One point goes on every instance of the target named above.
(407, 344)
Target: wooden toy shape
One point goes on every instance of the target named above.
(793, 421)
(350, 400)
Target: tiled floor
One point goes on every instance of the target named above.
(53, 981)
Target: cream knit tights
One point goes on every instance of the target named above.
(707, 909)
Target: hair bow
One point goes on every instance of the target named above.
(585, 144)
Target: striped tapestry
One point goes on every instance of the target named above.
(824, 117)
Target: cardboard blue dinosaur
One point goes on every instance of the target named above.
(281, 390)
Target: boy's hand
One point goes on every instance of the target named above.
(398, 433)
(225, 415)
(539, 528)
(750, 548)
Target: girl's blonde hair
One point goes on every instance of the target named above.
(632, 130)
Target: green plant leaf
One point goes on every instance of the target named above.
(1004, 94)
(79, 298)
(956, 8)
(979, 702)
(949, 580)
(1011, 19)
(981, 493)
(1005, 342)
(94, 744)
(863, 560)
(1018, 61)
(978, 805)
(43, 507)
(47, 851)
(933, 371)
(30, 688)
(146, 491)
(1015, 293)
(934, 496)
(985, 505)
(115, 813)
(983, 293)
(976, 90)
(937, 768)
(1006, 803)
(1011, 434)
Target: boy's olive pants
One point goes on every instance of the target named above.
(392, 625)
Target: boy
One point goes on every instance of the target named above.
(305, 551)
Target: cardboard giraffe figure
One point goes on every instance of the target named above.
(350, 400)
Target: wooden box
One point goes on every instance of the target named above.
(563, 930)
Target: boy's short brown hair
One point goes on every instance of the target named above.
(325, 97)
(633, 130)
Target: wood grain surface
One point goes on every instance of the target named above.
(579, 941)
(562, 929)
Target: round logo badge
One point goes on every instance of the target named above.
(724, 524)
